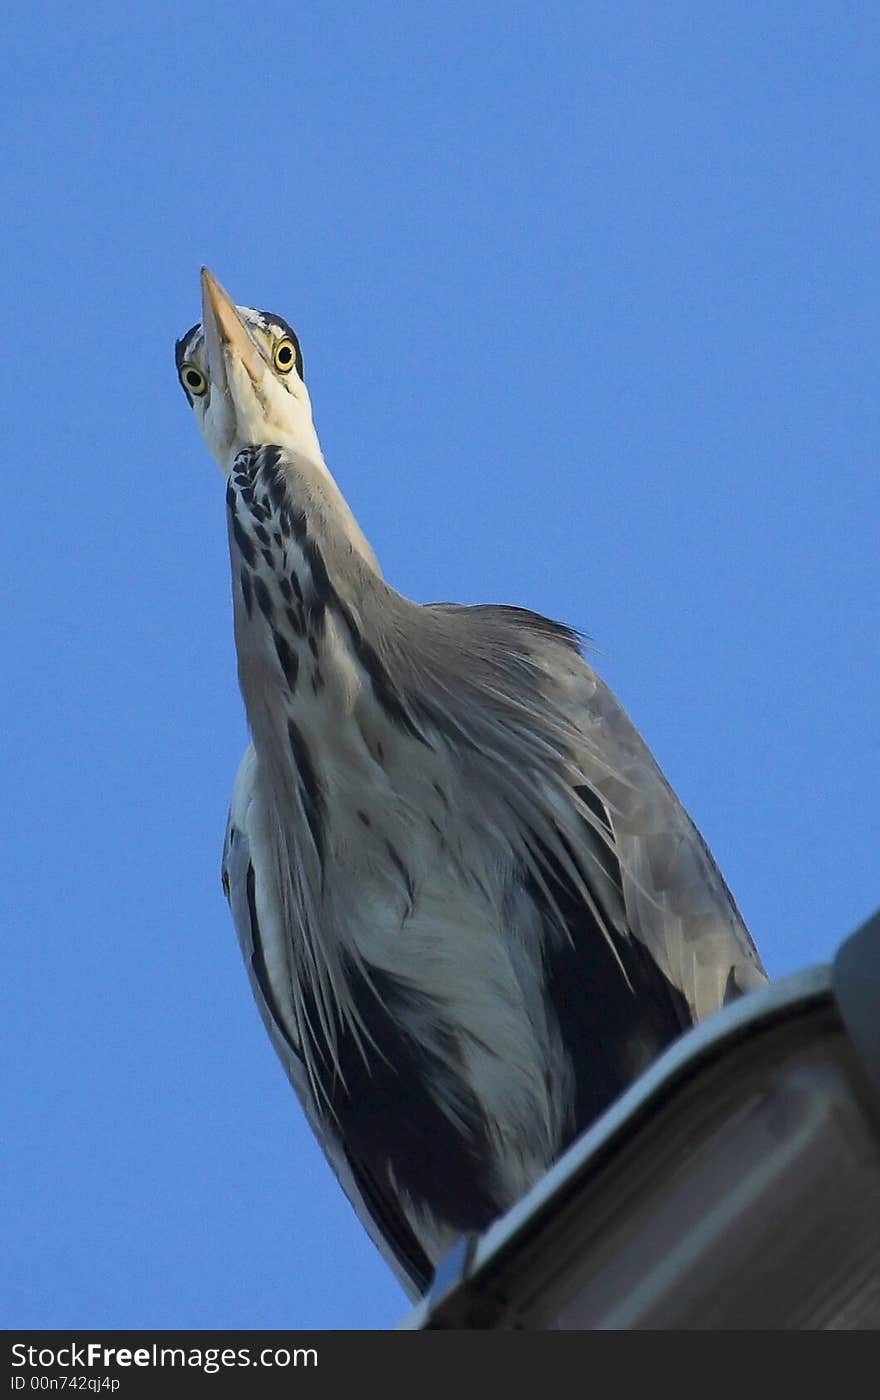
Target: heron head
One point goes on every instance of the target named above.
(242, 372)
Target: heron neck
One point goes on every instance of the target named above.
(296, 551)
(305, 589)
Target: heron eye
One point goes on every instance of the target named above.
(285, 355)
(193, 380)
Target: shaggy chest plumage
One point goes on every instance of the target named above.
(325, 713)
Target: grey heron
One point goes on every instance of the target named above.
(471, 908)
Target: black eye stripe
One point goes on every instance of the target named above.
(184, 344)
(276, 325)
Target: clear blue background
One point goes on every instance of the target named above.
(588, 295)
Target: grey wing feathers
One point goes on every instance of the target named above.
(677, 902)
(256, 911)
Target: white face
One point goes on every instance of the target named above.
(242, 376)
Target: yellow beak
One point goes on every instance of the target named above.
(226, 333)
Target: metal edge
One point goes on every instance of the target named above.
(855, 984)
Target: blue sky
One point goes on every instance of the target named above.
(588, 295)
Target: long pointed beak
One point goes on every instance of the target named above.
(226, 334)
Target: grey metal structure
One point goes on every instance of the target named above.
(735, 1185)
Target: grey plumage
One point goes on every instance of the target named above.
(471, 907)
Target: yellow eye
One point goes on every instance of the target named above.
(193, 381)
(284, 355)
